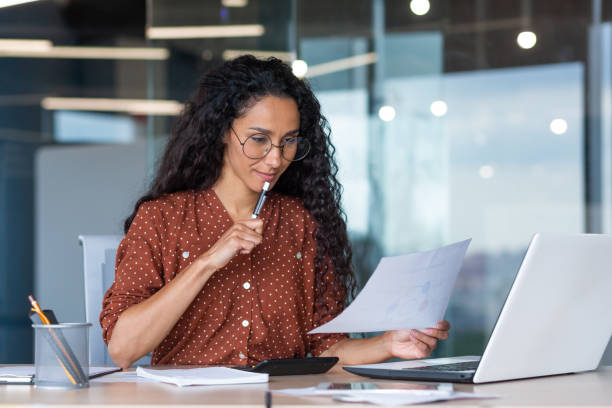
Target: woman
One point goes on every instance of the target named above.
(200, 282)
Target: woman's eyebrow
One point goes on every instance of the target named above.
(268, 132)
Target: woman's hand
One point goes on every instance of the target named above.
(411, 344)
(240, 238)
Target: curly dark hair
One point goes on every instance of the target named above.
(193, 157)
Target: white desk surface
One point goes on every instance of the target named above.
(585, 389)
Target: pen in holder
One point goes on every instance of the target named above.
(61, 353)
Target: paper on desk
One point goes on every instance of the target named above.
(203, 376)
(382, 397)
(404, 292)
(406, 399)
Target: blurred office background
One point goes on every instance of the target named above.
(451, 119)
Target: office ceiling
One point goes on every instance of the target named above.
(478, 34)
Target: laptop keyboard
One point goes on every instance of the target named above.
(463, 366)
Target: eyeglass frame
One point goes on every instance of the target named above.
(280, 147)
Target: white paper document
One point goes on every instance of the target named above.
(202, 376)
(407, 398)
(388, 396)
(404, 292)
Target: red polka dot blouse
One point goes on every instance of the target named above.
(258, 306)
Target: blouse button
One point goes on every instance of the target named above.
(242, 356)
(246, 285)
(245, 323)
(186, 254)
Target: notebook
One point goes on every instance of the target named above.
(203, 376)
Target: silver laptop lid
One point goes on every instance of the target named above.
(556, 318)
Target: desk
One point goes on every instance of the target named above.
(593, 388)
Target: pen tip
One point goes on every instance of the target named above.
(266, 185)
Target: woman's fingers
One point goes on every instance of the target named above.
(430, 342)
(438, 334)
(443, 325)
(246, 229)
(248, 236)
(254, 224)
(240, 238)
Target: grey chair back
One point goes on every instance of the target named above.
(99, 252)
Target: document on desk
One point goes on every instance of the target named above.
(203, 376)
(386, 397)
(404, 292)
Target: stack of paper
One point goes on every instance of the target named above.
(202, 376)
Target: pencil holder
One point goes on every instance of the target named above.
(61, 355)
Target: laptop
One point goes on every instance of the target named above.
(556, 319)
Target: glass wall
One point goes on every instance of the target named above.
(451, 119)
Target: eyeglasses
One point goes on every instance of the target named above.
(257, 146)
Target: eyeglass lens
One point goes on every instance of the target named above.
(292, 148)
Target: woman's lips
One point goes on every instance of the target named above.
(265, 176)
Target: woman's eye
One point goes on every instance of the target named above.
(259, 139)
(290, 141)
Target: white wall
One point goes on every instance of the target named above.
(79, 190)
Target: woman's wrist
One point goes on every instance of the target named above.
(204, 267)
(387, 344)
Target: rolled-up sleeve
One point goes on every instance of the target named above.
(138, 268)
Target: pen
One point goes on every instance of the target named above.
(102, 373)
(268, 399)
(261, 200)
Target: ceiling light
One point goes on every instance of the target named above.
(341, 64)
(8, 3)
(526, 39)
(218, 31)
(234, 3)
(438, 108)
(486, 172)
(558, 126)
(10, 45)
(386, 113)
(281, 55)
(419, 7)
(110, 53)
(46, 49)
(131, 106)
(299, 68)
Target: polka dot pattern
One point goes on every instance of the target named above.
(259, 306)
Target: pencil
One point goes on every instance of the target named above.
(36, 308)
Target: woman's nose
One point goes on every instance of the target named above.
(273, 158)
